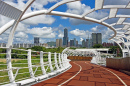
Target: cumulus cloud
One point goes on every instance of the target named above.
(43, 19)
(44, 32)
(37, 5)
(61, 35)
(78, 32)
(94, 29)
(79, 8)
(3, 20)
(106, 33)
(21, 35)
(81, 39)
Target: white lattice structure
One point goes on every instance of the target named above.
(18, 16)
(96, 56)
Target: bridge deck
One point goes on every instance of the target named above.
(83, 73)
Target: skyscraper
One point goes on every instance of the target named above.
(36, 40)
(60, 42)
(75, 42)
(96, 38)
(57, 42)
(65, 38)
(83, 43)
(71, 43)
(99, 38)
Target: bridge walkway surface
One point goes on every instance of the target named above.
(83, 73)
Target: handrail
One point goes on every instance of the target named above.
(52, 65)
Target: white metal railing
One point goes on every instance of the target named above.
(31, 66)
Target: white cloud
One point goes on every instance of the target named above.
(80, 33)
(37, 5)
(43, 19)
(61, 35)
(4, 20)
(64, 17)
(94, 29)
(45, 32)
(21, 35)
(81, 39)
(79, 8)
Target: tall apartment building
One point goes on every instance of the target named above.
(83, 43)
(65, 38)
(75, 42)
(58, 42)
(36, 40)
(71, 43)
(96, 38)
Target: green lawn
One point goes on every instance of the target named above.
(23, 63)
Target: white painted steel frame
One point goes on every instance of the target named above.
(98, 5)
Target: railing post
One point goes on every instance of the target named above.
(9, 65)
(30, 64)
(42, 63)
(49, 60)
(60, 61)
(66, 61)
(55, 56)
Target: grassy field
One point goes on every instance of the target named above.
(23, 72)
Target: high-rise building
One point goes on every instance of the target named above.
(65, 38)
(71, 43)
(83, 43)
(99, 38)
(87, 43)
(75, 42)
(36, 40)
(90, 43)
(96, 38)
(60, 43)
(68, 44)
(57, 42)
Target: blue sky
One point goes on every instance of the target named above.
(49, 27)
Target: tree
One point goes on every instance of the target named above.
(97, 46)
(37, 48)
(113, 49)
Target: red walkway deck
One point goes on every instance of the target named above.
(84, 73)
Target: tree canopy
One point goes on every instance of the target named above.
(97, 46)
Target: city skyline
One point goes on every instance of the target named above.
(50, 28)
